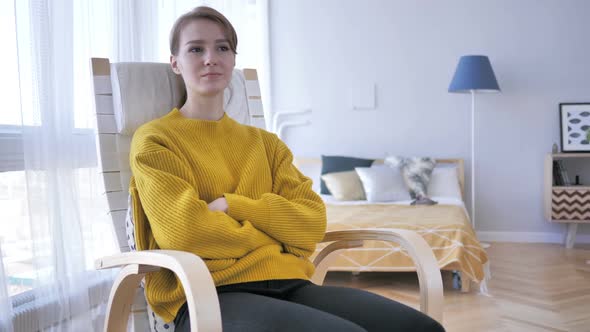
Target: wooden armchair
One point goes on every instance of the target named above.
(121, 108)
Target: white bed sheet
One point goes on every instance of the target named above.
(329, 199)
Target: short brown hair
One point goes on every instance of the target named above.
(207, 13)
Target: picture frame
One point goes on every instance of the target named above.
(574, 124)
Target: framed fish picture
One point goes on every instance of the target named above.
(575, 127)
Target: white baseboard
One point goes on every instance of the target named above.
(529, 237)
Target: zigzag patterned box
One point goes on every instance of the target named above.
(570, 204)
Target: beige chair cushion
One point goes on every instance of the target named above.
(235, 98)
(142, 92)
(146, 91)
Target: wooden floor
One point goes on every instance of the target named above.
(534, 287)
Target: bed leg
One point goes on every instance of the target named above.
(465, 284)
(460, 281)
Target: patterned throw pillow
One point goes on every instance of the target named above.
(416, 172)
(130, 225)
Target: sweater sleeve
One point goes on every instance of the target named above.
(292, 214)
(178, 219)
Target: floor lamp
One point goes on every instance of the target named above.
(474, 73)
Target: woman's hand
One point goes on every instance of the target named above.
(219, 204)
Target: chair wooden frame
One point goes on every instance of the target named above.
(203, 304)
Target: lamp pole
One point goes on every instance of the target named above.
(473, 74)
(473, 158)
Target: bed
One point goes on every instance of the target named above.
(445, 226)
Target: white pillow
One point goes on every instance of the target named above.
(444, 182)
(383, 183)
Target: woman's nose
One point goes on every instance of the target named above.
(210, 58)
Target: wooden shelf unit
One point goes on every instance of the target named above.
(570, 155)
(566, 204)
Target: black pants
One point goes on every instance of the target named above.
(301, 306)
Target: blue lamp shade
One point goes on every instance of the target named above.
(474, 72)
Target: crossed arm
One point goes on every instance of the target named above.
(292, 213)
(233, 225)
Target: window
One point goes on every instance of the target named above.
(93, 33)
(90, 27)
(19, 219)
(10, 114)
(15, 233)
(15, 239)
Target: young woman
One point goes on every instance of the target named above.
(227, 192)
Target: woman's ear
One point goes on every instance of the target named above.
(174, 65)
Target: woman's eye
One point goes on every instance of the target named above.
(195, 50)
(224, 48)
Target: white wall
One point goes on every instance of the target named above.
(540, 51)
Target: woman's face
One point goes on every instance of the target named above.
(204, 58)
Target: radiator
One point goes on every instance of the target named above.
(28, 308)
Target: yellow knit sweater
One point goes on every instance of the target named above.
(274, 219)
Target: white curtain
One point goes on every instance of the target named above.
(5, 303)
(66, 220)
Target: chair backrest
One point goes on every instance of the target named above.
(128, 95)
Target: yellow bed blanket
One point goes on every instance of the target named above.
(446, 228)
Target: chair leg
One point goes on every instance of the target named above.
(460, 281)
(121, 297)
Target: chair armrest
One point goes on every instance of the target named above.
(429, 276)
(199, 288)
